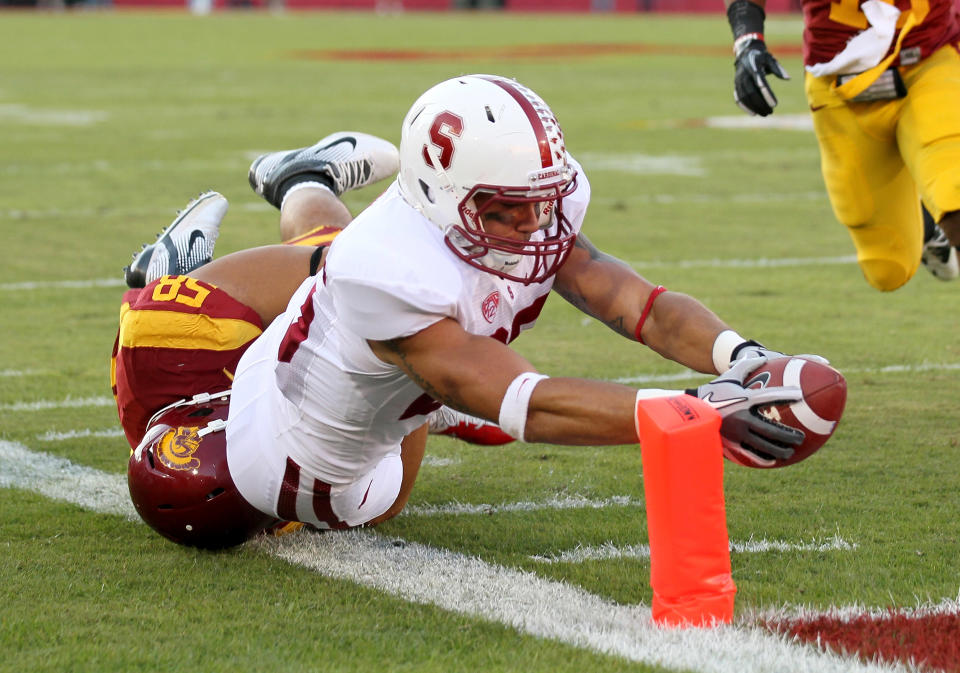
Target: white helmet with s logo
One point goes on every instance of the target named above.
(491, 136)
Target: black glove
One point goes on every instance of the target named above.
(750, 87)
(743, 430)
(758, 440)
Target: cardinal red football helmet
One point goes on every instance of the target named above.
(180, 484)
(489, 136)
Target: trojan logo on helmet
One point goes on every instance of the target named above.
(176, 449)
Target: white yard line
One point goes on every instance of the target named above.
(679, 377)
(53, 436)
(760, 262)
(62, 284)
(608, 550)
(884, 369)
(567, 502)
(18, 113)
(66, 403)
(468, 585)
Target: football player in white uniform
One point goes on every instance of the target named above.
(413, 309)
(419, 298)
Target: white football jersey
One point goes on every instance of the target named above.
(311, 389)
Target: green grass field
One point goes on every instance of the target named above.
(109, 122)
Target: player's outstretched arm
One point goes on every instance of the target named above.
(675, 325)
(475, 373)
(751, 90)
(483, 377)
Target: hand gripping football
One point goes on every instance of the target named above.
(817, 414)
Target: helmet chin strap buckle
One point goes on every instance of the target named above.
(215, 425)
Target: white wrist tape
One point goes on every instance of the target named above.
(650, 393)
(513, 409)
(723, 347)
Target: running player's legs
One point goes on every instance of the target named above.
(929, 135)
(869, 186)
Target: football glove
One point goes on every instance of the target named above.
(752, 349)
(750, 87)
(743, 430)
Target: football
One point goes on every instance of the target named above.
(817, 414)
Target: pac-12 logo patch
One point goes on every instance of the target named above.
(489, 306)
(177, 447)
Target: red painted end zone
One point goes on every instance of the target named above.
(927, 639)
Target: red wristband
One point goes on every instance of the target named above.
(657, 291)
(743, 39)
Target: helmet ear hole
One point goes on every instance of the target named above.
(215, 492)
(203, 411)
(426, 191)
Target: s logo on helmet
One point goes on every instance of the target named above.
(176, 449)
(489, 306)
(445, 127)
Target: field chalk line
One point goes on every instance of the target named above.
(468, 585)
(761, 262)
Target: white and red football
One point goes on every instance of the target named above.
(817, 414)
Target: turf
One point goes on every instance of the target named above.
(112, 120)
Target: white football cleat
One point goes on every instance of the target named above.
(343, 161)
(940, 257)
(186, 244)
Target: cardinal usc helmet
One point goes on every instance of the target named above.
(180, 484)
(477, 140)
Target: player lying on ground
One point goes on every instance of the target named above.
(415, 306)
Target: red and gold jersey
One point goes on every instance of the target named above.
(178, 337)
(829, 25)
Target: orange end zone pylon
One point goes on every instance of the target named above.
(686, 516)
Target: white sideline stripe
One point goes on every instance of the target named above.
(568, 502)
(67, 403)
(61, 479)
(762, 262)
(887, 369)
(18, 372)
(467, 585)
(608, 550)
(786, 122)
(158, 215)
(26, 114)
(53, 436)
(644, 164)
(688, 375)
(437, 461)
(707, 199)
(63, 284)
(546, 608)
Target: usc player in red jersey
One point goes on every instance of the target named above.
(883, 83)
